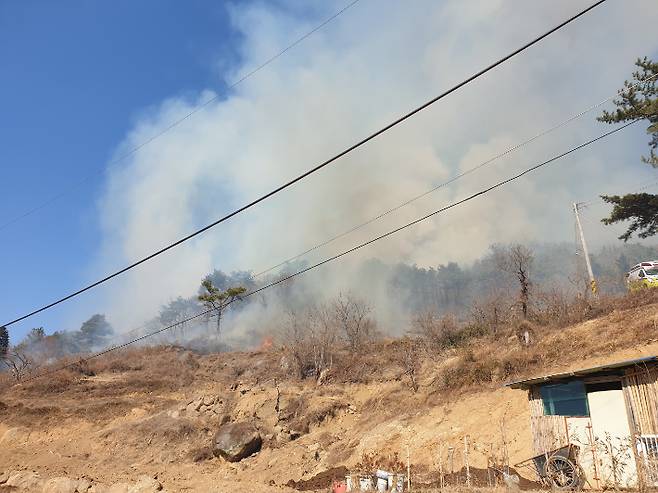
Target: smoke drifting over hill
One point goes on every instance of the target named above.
(353, 76)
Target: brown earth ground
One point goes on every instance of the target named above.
(135, 413)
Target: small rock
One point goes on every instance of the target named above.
(4, 477)
(84, 485)
(60, 485)
(208, 400)
(145, 484)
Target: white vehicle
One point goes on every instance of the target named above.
(644, 274)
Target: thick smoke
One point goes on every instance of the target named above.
(370, 65)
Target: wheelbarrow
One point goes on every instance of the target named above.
(558, 469)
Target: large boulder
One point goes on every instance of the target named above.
(235, 441)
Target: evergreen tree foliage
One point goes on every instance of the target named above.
(4, 341)
(218, 300)
(35, 336)
(94, 333)
(639, 208)
(637, 100)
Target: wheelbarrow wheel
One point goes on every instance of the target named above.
(563, 474)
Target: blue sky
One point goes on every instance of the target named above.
(74, 77)
(80, 81)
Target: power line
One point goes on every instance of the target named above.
(353, 249)
(312, 170)
(178, 121)
(595, 200)
(444, 184)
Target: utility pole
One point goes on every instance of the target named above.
(592, 281)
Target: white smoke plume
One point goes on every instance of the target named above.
(375, 62)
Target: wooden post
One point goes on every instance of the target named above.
(440, 466)
(408, 469)
(451, 454)
(466, 464)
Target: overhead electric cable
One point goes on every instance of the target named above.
(596, 199)
(314, 169)
(353, 249)
(444, 184)
(178, 121)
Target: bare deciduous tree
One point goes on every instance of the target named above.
(18, 363)
(517, 260)
(492, 311)
(352, 318)
(409, 361)
(309, 338)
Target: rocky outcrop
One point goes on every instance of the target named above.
(65, 485)
(235, 441)
(202, 405)
(29, 481)
(24, 481)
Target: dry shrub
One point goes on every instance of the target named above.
(373, 461)
(5, 382)
(492, 313)
(486, 367)
(634, 299)
(53, 383)
(470, 369)
(309, 340)
(558, 309)
(351, 316)
(493, 361)
(155, 367)
(437, 332)
(151, 368)
(119, 361)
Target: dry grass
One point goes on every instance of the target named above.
(108, 386)
(485, 361)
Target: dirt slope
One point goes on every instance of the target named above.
(139, 414)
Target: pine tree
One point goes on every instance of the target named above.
(4, 341)
(217, 300)
(637, 100)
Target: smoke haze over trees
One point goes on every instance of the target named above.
(395, 295)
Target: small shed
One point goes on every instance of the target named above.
(610, 412)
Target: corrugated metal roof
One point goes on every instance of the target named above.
(520, 384)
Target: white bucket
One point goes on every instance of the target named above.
(382, 485)
(349, 483)
(365, 483)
